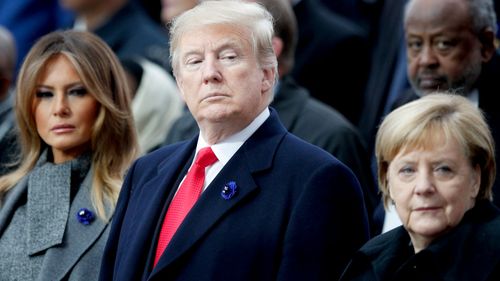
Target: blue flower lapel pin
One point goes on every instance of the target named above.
(85, 216)
(229, 190)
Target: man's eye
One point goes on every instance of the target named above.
(444, 45)
(414, 45)
(229, 57)
(193, 61)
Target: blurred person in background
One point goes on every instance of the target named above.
(9, 149)
(28, 20)
(124, 26)
(331, 58)
(156, 102)
(172, 8)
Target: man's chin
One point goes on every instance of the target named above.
(217, 115)
(425, 90)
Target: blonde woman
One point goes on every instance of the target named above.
(77, 139)
(436, 164)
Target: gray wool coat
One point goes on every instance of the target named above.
(77, 256)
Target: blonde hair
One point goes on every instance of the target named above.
(113, 139)
(251, 16)
(420, 124)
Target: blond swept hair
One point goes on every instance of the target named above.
(420, 124)
(250, 16)
(113, 138)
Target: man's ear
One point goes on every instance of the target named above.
(487, 39)
(268, 79)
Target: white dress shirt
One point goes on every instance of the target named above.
(225, 149)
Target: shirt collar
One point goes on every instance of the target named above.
(226, 148)
(473, 97)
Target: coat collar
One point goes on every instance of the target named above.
(472, 244)
(256, 154)
(78, 237)
(48, 198)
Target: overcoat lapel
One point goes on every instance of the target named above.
(255, 155)
(157, 192)
(78, 237)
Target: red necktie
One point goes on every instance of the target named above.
(183, 201)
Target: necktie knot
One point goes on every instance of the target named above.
(205, 157)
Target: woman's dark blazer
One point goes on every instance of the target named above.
(471, 251)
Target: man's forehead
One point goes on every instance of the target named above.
(438, 12)
(214, 38)
(437, 16)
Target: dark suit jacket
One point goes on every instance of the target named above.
(316, 123)
(298, 214)
(321, 125)
(386, 46)
(358, 11)
(331, 59)
(131, 33)
(471, 251)
(488, 87)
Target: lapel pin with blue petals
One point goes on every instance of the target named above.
(229, 190)
(85, 216)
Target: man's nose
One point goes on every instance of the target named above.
(427, 57)
(211, 71)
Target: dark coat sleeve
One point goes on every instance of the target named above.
(322, 234)
(111, 249)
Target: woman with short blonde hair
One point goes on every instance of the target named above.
(436, 165)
